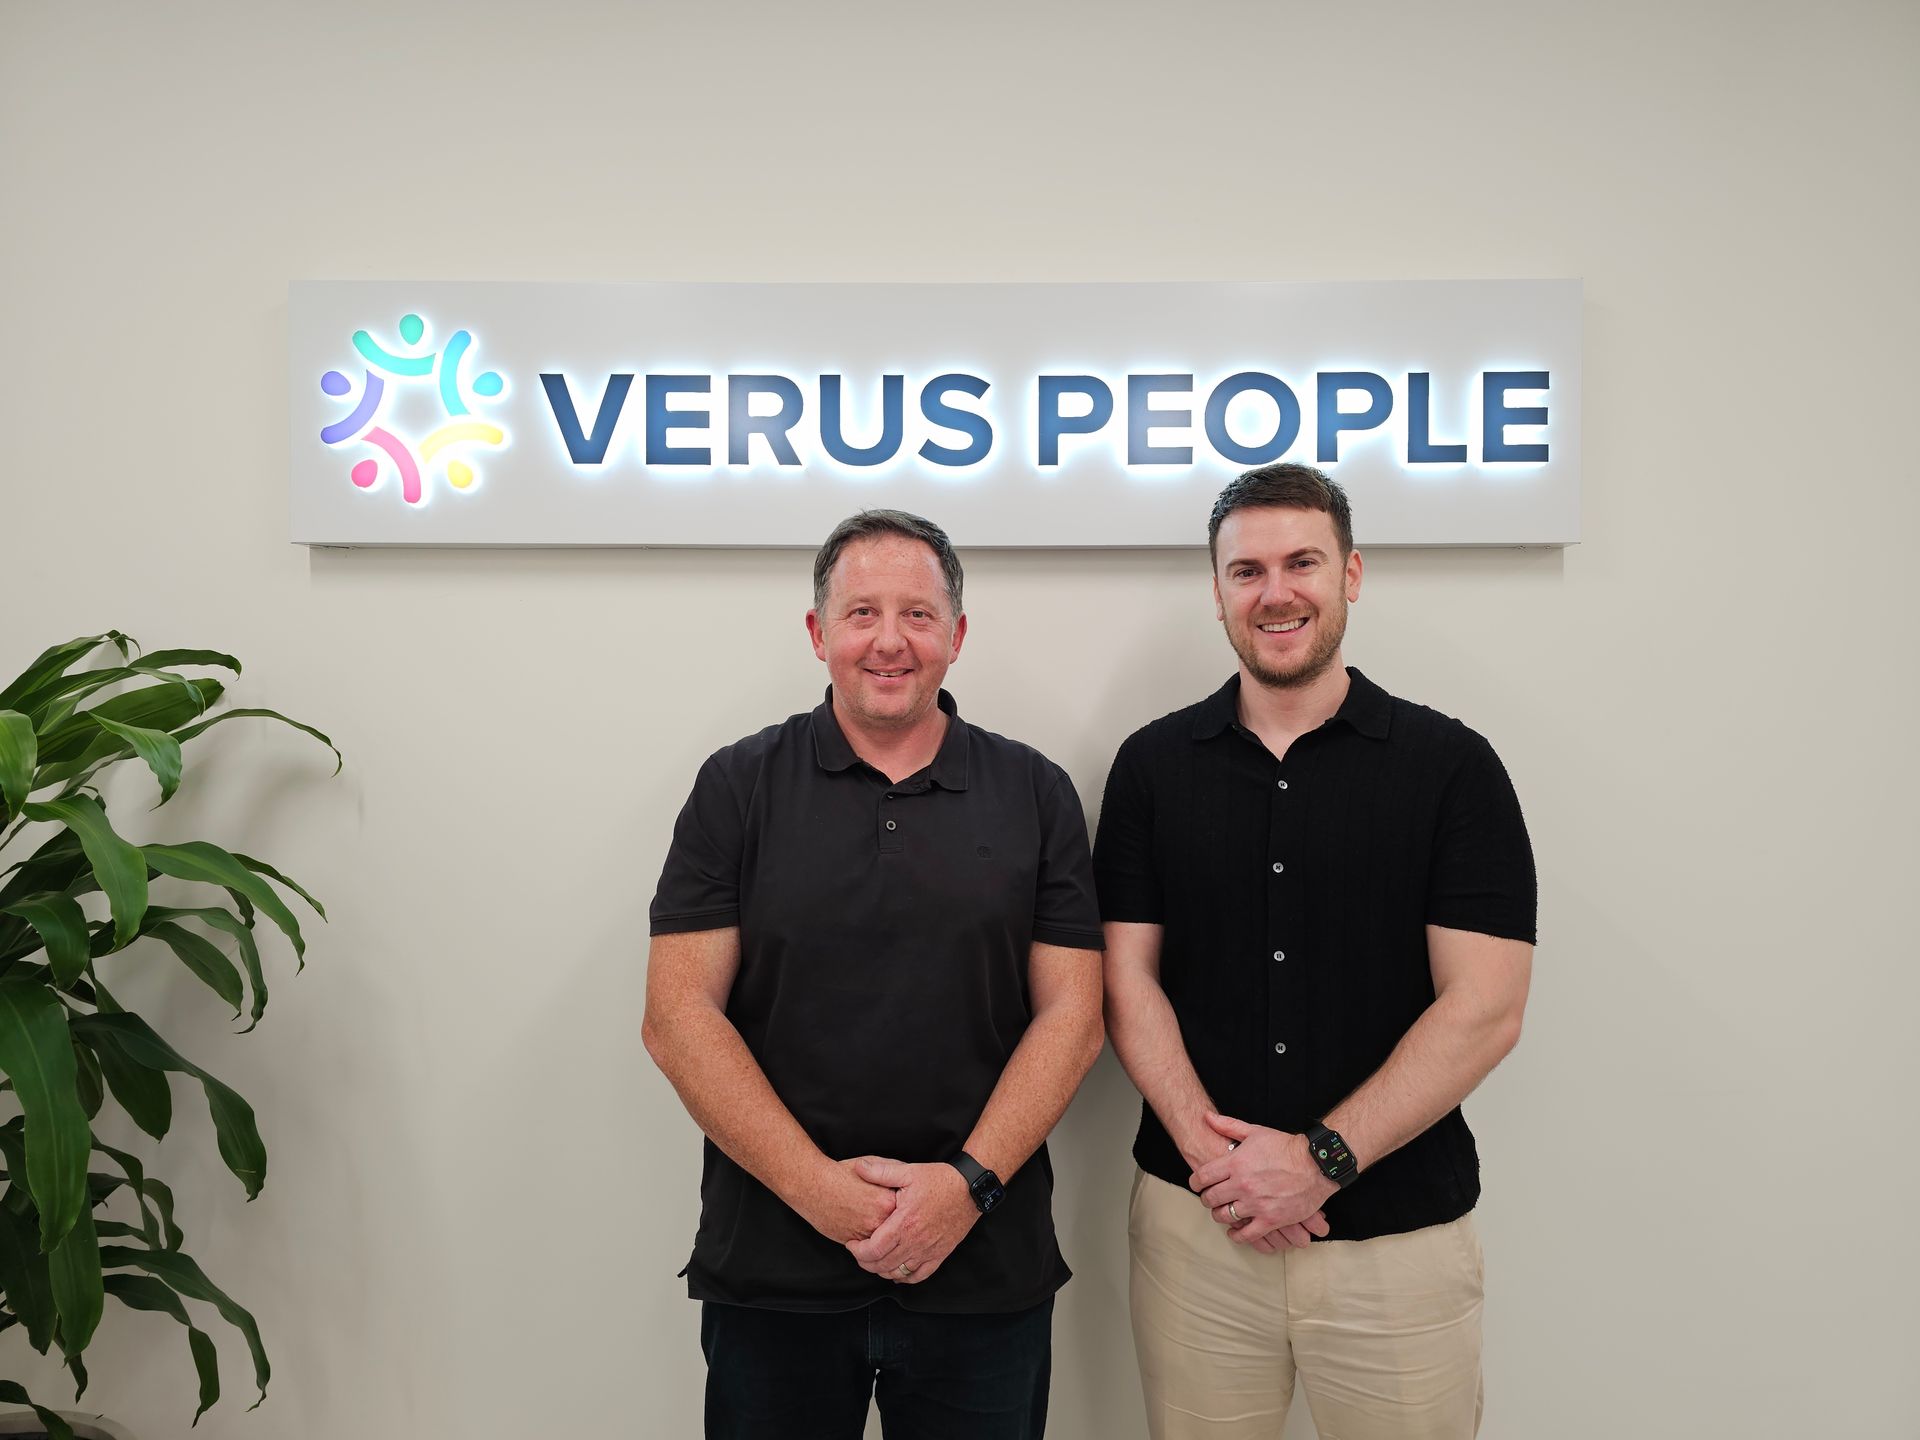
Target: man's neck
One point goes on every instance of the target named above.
(1279, 715)
(896, 754)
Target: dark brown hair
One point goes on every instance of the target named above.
(1295, 487)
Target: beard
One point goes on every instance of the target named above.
(1331, 629)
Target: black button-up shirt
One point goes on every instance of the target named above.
(1295, 896)
(884, 936)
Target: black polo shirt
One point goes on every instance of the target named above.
(884, 937)
(1295, 895)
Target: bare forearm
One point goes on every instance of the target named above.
(1040, 1078)
(729, 1098)
(1450, 1049)
(1146, 1038)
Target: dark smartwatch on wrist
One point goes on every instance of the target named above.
(1331, 1154)
(982, 1184)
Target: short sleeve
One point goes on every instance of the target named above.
(1064, 909)
(1129, 886)
(700, 882)
(1482, 877)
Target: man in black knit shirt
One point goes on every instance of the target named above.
(1320, 905)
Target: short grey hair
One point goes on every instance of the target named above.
(869, 525)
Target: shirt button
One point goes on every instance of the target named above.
(891, 825)
(1283, 784)
(1278, 867)
(1279, 954)
(1280, 1048)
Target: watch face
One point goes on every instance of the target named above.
(988, 1194)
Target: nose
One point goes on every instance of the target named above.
(889, 636)
(1276, 590)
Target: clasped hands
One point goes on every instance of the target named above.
(898, 1221)
(1265, 1189)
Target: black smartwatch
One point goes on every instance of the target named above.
(1331, 1154)
(982, 1184)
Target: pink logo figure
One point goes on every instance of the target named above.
(385, 371)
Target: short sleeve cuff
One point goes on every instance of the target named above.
(698, 920)
(1482, 922)
(1069, 939)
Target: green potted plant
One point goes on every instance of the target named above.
(68, 1049)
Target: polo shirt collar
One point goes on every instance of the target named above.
(949, 767)
(1367, 708)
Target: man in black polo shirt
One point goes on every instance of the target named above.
(875, 983)
(1320, 921)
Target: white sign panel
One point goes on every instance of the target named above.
(1014, 415)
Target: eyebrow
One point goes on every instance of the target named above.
(910, 604)
(1304, 550)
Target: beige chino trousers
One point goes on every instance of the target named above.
(1384, 1334)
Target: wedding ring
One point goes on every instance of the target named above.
(903, 1271)
(1233, 1212)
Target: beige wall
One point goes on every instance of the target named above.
(1698, 1164)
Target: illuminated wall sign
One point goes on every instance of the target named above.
(1015, 415)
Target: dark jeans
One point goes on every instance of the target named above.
(777, 1375)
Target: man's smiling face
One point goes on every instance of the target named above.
(887, 631)
(1281, 588)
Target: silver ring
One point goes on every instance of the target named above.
(903, 1270)
(1233, 1212)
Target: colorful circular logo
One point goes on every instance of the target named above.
(389, 371)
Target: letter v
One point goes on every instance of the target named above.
(586, 449)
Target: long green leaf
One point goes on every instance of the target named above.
(205, 725)
(53, 706)
(263, 868)
(197, 860)
(19, 753)
(90, 1084)
(145, 1292)
(56, 865)
(56, 711)
(62, 927)
(205, 959)
(36, 1052)
(77, 742)
(120, 867)
(162, 1197)
(53, 662)
(143, 1091)
(14, 1394)
(23, 1275)
(137, 1182)
(165, 659)
(235, 1129)
(74, 1267)
(179, 1271)
(40, 975)
(159, 749)
(242, 932)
